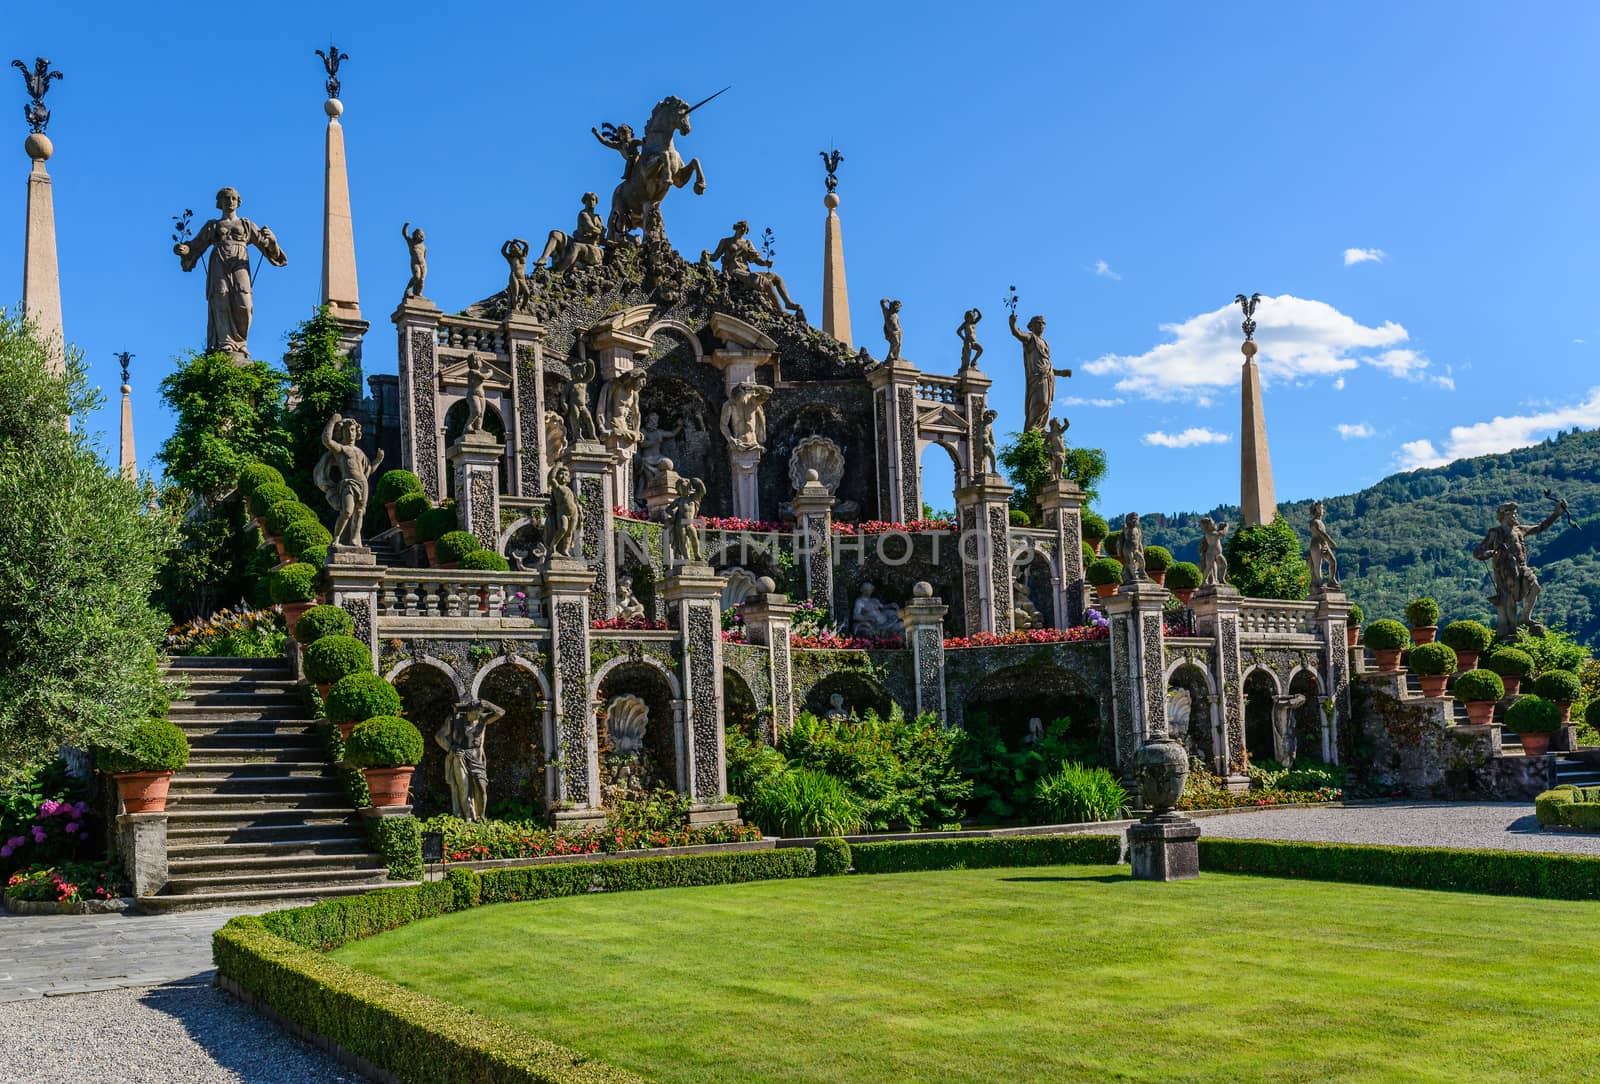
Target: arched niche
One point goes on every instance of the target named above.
(429, 690)
(655, 763)
(455, 423)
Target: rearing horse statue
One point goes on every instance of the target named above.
(657, 169)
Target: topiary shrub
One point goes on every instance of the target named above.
(1184, 576)
(1074, 794)
(1479, 685)
(320, 621)
(1111, 544)
(1422, 612)
(1431, 660)
(1533, 715)
(257, 475)
(435, 523)
(485, 561)
(1092, 525)
(454, 545)
(1356, 616)
(1467, 636)
(315, 556)
(359, 697)
(1508, 662)
(334, 657)
(1386, 635)
(1089, 555)
(384, 741)
(303, 536)
(264, 496)
(408, 506)
(1559, 685)
(396, 484)
(1018, 517)
(283, 513)
(293, 583)
(154, 746)
(833, 856)
(1104, 572)
(1157, 559)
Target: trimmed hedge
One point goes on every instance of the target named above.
(257, 475)
(454, 545)
(1092, 525)
(1569, 807)
(1559, 685)
(332, 658)
(320, 621)
(1533, 715)
(1508, 662)
(267, 494)
(833, 856)
(302, 536)
(986, 853)
(1104, 571)
(1495, 873)
(485, 561)
(283, 513)
(1356, 616)
(399, 841)
(435, 523)
(1157, 559)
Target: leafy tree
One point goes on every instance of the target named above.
(1027, 463)
(79, 549)
(229, 415)
(1266, 561)
(324, 385)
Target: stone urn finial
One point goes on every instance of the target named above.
(1163, 768)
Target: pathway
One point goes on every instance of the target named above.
(1507, 826)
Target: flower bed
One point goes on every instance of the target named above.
(633, 624)
(239, 634)
(879, 526)
(832, 641)
(58, 830)
(73, 887)
(1206, 791)
(628, 513)
(1081, 634)
(739, 523)
(482, 841)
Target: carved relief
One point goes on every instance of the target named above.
(425, 429)
(820, 454)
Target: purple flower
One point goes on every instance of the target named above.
(5, 851)
(38, 834)
(72, 827)
(80, 808)
(48, 807)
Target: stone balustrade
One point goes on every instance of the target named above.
(467, 334)
(452, 594)
(1271, 619)
(938, 389)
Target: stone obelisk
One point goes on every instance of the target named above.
(41, 278)
(835, 296)
(127, 461)
(340, 292)
(1258, 503)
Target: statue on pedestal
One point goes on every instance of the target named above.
(681, 516)
(744, 416)
(1323, 560)
(628, 604)
(1213, 562)
(971, 348)
(1055, 443)
(1515, 584)
(1283, 728)
(564, 522)
(519, 293)
(1025, 615)
(736, 254)
(653, 168)
(416, 244)
(872, 618)
(343, 474)
(575, 402)
(985, 456)
(477, 401)
(652, 453)
(228, 278)
(1038, 372)
(619, 405)
(891, 327)
(582, 248)
(465, 768)
(1130, 550)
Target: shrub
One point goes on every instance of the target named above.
(1386, 635)
(409, 506)
(384, 741)
(396, 484)
(454, 545)
(1092, 525)
(1019, 518)
(902, 772)
(435, 523)
(1467, 636)
(1533, 715)
(359, 697)
(1422, 612)
(1508, 662)
(320, 621)
(1089, 556)
(315, 556)
(303, 536)
(1559, 685)
(1266, 561)
(1110, 544)
(1356, 616)
(398, 840)
(485, 561)
(805, 802)
(282, 513)
(1478, 686)
(1431, 660)
(1104, 571)
(154, 746)
(333, 657)
(751, 764)
(257, 475)
(293, 583)
(981, 853)
(1074, 794)
(1184, 576)
(833, 856)
(1157, 558)
(68, 882)
(264, 496)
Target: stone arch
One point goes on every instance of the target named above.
(1309, 721)
(1202, 734)
(860, 692)
(657, 763)
(1004, 701)
(641, 660)
(393, 676)
(429, 689)
(684, 332)
(516, 747)
(533, 533)
(455, 421)
(518, 661)
(791, 418)
(740, 709)
(934, 495)
(682, 402)
(1261, 688)
(1032, 567)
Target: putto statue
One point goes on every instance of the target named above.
(416, 244)
(1055, 443)
(519, 293)
(465, 767)
(564, 522)
(1323, 560)
(891, 327)
(971, 348)
(1213, 562)
(619, 405)
(343, 475)
(744, 416)
(681, 514)
(652, 168)
(1130, 549)
(582, 249)
(985, 456)
(575, 403)
(1038, 372)
(628, 604)
(228, 277)
(1515, 585)
(736, 253)
(477, 401)
(652, 448)
(38, 82)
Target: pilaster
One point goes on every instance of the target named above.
(354, 580)
(813, 520)
(768, 617)
(595, 486)
(894, 416)
(416, 324)
(475, 460)
(924, 623)
(1216, 616)
(1062, 503)
(973, 390)
(1333, 618)
(530, 459)
(567, 587)
(693, 594)
(1138, 668)
(983, 510)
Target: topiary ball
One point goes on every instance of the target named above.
(1386, 635)
(1422, 612)
(485, 561)
(359, 697)
(320, 621)
(257, 475)
(1431, 660)
(409, 506)
(1093, 525)
(1018, 517)
(1559, 685)
(333, 657)
(264, 496)
(315, 556)
(1184, 576)
(454, 545)
(1476, 686)
(1508, 662)
(396, 484)
(1104, 572)
(435, 523)
(155, 745)
(1356, 616)
(1110, 544)
(1157, 558)
(1533, 715)
(1089, 555)
(293, 583)
(1467, 636)
(303, 536)
(283, 513)
(833, 856)
(384, 741)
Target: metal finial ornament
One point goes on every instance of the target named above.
(38, 81)
(1248, 304)
(1010, 300)
(124, 357)
(830, 162)
(330, 61)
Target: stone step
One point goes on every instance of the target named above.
(267, 840)
(195, 900)
(232, 863)
(253, 815)
(225, 698)
(220, 662)
(265, 880)
(265, 680)
(277, 803)
(216, 757)
(289, 762)
(181, 711)
(250, 732)
(276, 777)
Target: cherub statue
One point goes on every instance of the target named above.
(681, 514)
(575, 402)
(1323, 560)
(519, 294)
(891, 327)
(564, 523)
(652, 452)
(620, 138)
(477, 402)
(1213, 562)
(1055, 442)
(985, 456)
(628, 604)
(1130, 549)
(343, 474)
(971, 348)
(465, 768)
(416, 243)
(744, 416)
(619, 405)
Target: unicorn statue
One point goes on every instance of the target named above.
(652, 168)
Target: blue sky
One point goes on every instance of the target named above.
(1411, 186)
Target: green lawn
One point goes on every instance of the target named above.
(1061, 973)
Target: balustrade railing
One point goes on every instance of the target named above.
(937, 389)
(1269, 619)
(482, 336)
(443, 594)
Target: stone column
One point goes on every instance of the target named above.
(1138, 669)
(340, 291)
(475, 459)
(142, 841)
(983, 511)
(768, 617)
(421, 428)
(835, 295)
(595, 487)
(1216, 617)
(1062, 503)
(693, 594)
(894, 416)
(354, 580)
(813, 522)
(530, 459)
(616, 351)
(972, 388)
(924, 622)
(745, 350)
(41, 279)
(568, 584)
(1333, 618)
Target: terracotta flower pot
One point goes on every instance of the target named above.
(1104, 590)
(448, 564)
(388, 506)
(388, 786)
(1513, 684)
(1534, 745)
(1184, 594)
(277, 544)
(345, 729)
(483, 600)
(1352, 637)
(428, 547)
(292, 612)
(1388, 658)
(1424, 634)
(1158, 578)
(408, 531)
(323, 687)
(1433, 685)
(1093, 544)
(143, 792)
(1565, 707)
(1480, 712)
(1466, 660)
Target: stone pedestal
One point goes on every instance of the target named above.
(1062, 503)
(1165, 848)
(568, 584)
(1216, 616)
(661, 492)
(924, 622)
(768, 617)
(1333, 618)
(354, 580)
(530, 459)
(746, 487)
(142, 843)
(693, 594)
(983, 510)
(475, 460)
(1138, 668)
(416, 324)
(813, 520)
(894, 418)
(595, 486)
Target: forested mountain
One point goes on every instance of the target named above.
(1413, 534)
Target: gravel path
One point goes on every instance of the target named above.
(1507, 826)
(189, 1032)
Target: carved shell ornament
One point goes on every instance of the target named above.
(820, 454)
(626, 717)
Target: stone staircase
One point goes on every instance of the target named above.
(259, 815)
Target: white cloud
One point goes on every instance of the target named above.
(1338, 385)
(1353, 256)
(1501, 434)
(1298, 339)
(1186, 439)
(1103, 269)
(1578, 341)
(1076, 400)
(1357, 431)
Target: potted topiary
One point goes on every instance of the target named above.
(256, 475)
(294, 587)
(1157, 560)
(264, 496)
(1512, 664)
(334, 657)
(1184, 578)
(320, 621)
(1468, 639)
(357, 698)
(1019, 518)
(143, 770)
(1093, 528)
(304, 535)
(393, 485)
(279, 518)
(1352, 629)
(1533, 719)
(1110, 544)
(1089, 555)
(1480, 691)
(1433, 664)
(451, 546)
(1387, 639)
(1423, 616)
(1104, 574)
(387, 749)
(406, 510)
(1561, 688)
(433, 525)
